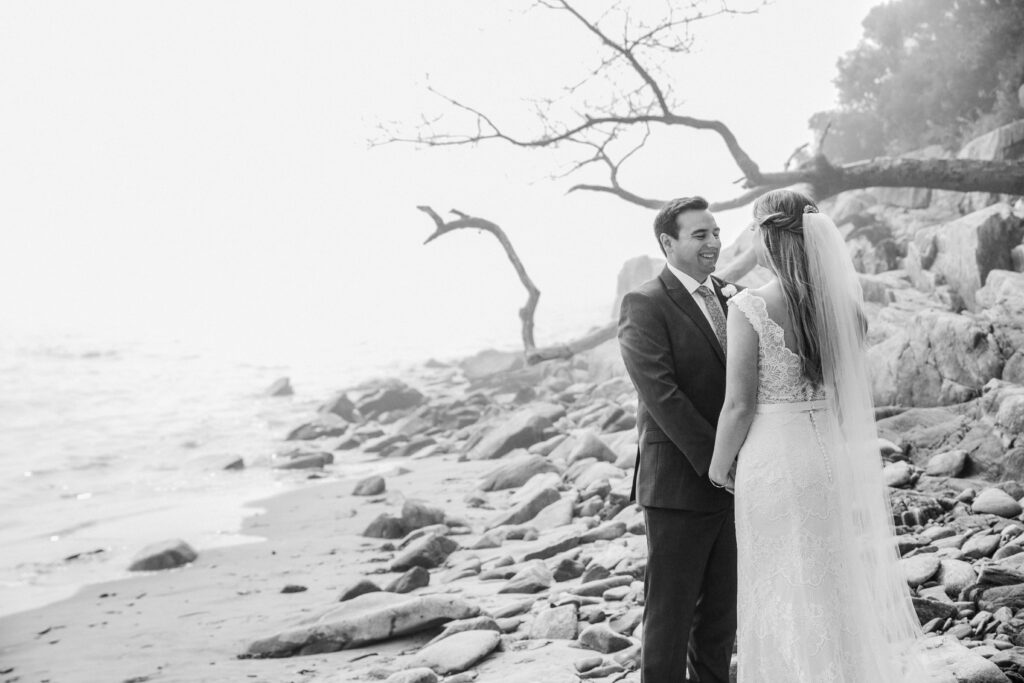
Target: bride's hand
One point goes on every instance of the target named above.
(728, 482)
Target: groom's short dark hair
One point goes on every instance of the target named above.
(665, 221)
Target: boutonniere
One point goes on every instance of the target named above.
(729, 291)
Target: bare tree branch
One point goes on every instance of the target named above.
(467, 221)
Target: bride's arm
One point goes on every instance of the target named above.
(740, 398)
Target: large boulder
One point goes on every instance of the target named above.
(520, 429)
(364, 619)
(939, 358)
(556, 623)
(634, 273)
(961, 253)
(995, 501)
(1003, 143)
(342, 406)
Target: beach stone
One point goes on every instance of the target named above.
(165, 555)
(933, 609)
(526, 510)
(533, 577)
(606, 532)
(598, 588)
(520, 429)
(361, 587)
(457, 652)
(595, 471)
(555, 515)
(392, 395)
(995, 501)
(342, 406)
(481, 623)
(628, 621)
(1011, 596)
(981, 545)
(567, 569)
(417, 514)
(305, 461)
(385, 526)
(491, 362)
(280, 387)
(294, 588)
(898, 474)
(601, 638)
(428, 552)
(947, 464)
(371, 486)
(546, 447)
(955, 576)
(420, 674)
(414, 578)
(556, 623)
(552, 549)
(919, 568)
(365, 619)
(322, 427)
(589, 445)
(587, 664)
(515, 473)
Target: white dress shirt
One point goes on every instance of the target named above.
(691, 286)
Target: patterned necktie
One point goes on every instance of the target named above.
(715, 311)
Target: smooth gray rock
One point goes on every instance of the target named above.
(428, 552)
(919, 568)
(390, 396)
(306, 461)
(371, 486)
(280, 387)
(361, 587)
(557, 623)
(601, 638)
(995, 501)
(165, 555)
(589, 445)
(481, 623)
(418, 675)
(414, 578)
(417, 514)
(597, 588)
(520, 429)
(364, 619)
(385, 526)
(515, 473)
(533, 577)
(341, 406)
(457, 652)
(947, 464)
(955, 576)
(608, 531)
(526, 510)
(897, 474)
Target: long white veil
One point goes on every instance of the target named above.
(883, 626)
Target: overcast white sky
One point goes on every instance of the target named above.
(202, 167)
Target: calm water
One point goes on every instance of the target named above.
(108, 445)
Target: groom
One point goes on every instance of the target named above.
(672, 336)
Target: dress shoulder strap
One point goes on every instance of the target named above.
(753, 307)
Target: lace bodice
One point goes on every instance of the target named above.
(778, 368)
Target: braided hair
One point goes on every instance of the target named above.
(779, 215)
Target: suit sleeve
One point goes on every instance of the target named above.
(646, 351)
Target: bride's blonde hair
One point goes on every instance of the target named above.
(779, 215)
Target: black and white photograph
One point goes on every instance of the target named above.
(512, 341)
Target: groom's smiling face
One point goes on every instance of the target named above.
(695, 251)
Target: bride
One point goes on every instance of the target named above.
(821, 594)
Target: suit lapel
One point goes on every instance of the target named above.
(718, 284)
(684, 300)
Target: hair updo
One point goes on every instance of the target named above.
(779, 215)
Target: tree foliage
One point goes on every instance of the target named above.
(927, 72)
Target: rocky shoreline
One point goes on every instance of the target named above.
(501, 544)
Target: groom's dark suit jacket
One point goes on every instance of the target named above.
(678, 368)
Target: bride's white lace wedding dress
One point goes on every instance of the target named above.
(801, 615)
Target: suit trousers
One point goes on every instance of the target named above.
(689, 595)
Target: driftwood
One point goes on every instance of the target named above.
(638, 98)
(465, 221)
